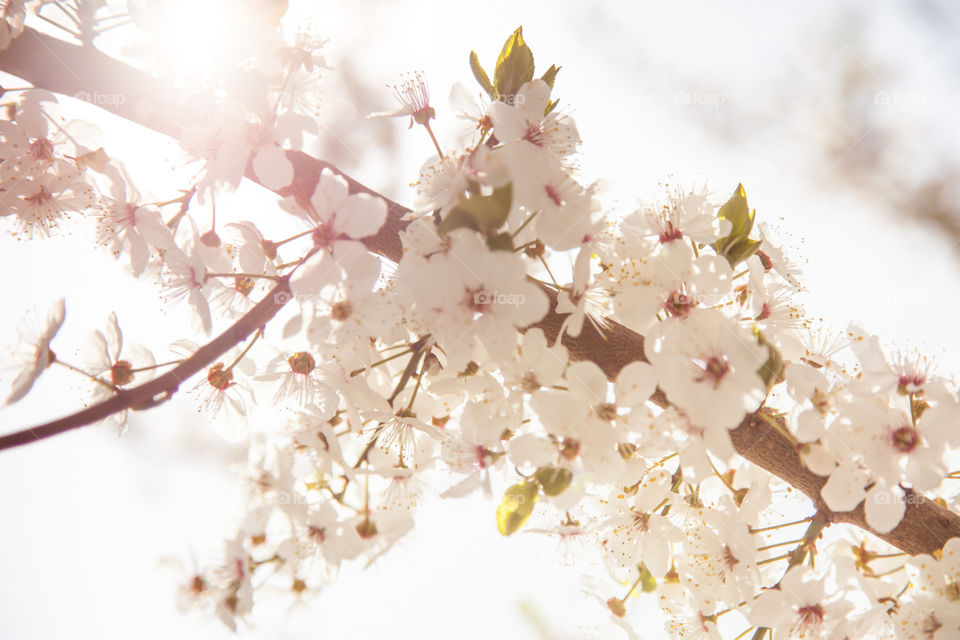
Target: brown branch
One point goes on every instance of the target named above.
(161, 388)
(51, 64)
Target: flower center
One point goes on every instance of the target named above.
(243, 285)
(219, 378)
(670, 233)
(340, 311)
(197, 585)
(535, 135)
(904, 439)
(554, 195)
(729, 560)
(715, 368)
(606, 411)
(765, 260)
(481, 456)
(41, 150)
(301, 363)
(810, 615)
(478, 300)
(569, 448)
(366, 529)
(41, 197)
(641, 522)
(678, 304)
(323, 236)
(121, 373)
(931, 625)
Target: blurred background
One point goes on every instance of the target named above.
(839, 118)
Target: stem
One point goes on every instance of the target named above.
(776, 425)
(748, 630)
(550, 273)
(780, 526)
(246, 349)
(808, 546)
(86, 375)
(290, 264)
(779, 544)
(293, 237)
(156, 366)
(242, 275)
(357, 372)
(632, 587)
(434, 138)
(775, 559)
(408, 372)
(416, 388)
(524, 224)
(913, 409)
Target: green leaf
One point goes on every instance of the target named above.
(500, 242)
(516, 506)
(551, 75)
(514, 66)
(480, 74)
(457, 219)
(648, 583)
(554, 480)
(480, 213)
(737, 246)
(773, 367)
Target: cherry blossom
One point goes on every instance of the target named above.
(708, 367)
(32, 351)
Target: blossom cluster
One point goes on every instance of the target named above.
(442, 370)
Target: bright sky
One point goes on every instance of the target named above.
(661, 92)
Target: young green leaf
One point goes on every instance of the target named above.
(514, 66)
(648, 583)
(773, 367)
(737, 246)
(516, 506)
(554, 480)
(480, 213)
(480, 74)
(551, 75)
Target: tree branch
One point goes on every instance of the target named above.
(69, 69)
(161, 388)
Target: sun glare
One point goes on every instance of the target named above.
(194, 38)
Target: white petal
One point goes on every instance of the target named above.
(272, 168)
(114, 338)
(636, 382)
(319, 270)
(884, 508)
(463, 488)
(330, 192)
(844, 490)
(361, 215)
